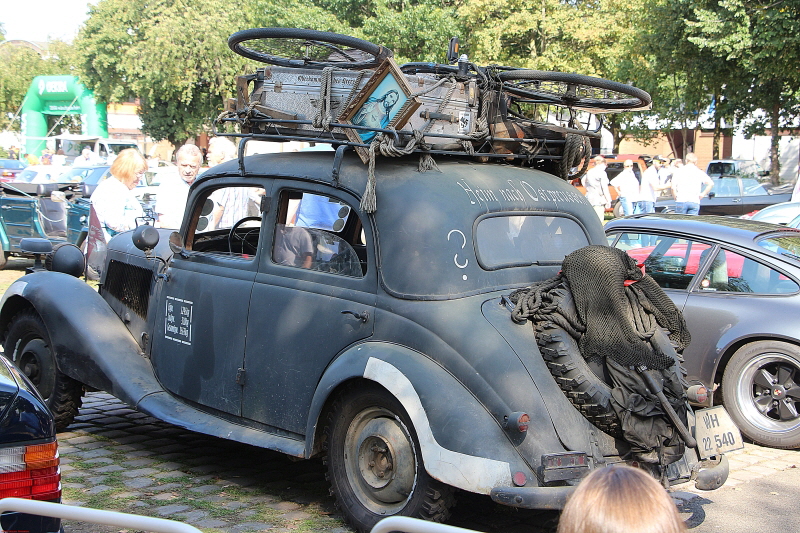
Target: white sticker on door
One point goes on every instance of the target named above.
(178, 320)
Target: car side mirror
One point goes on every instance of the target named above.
(176, 244)
(712, 194)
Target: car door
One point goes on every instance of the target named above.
(731, 290)
(754, 195)
(314, 295)
(17, 215)
(201, 328)
(725, 198)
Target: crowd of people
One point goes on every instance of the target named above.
(638, 193)
(117, 209)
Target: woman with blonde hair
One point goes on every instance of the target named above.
(620, 499)
(113, 200)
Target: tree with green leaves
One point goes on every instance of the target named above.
(763, 39)
(171, 54)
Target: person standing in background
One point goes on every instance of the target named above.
(113, 200)
(688, 186)
(595, 181)
(174, 190)
(650, 188)
(627, 187)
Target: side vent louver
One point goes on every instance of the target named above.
(130, 285)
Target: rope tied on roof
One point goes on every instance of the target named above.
(385, 145)
(324, 117)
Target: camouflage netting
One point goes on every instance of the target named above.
(609, 319)
(621, 328)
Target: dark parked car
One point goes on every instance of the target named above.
(383, 340)
(9, 168)
(29, 467)
(738, 284)
(53, 211)
(733, 197)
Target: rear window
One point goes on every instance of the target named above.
(788, 245)
(524, 240)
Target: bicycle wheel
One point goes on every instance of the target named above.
(574, 90)
(300, 48)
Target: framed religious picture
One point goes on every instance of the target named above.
(385, 101)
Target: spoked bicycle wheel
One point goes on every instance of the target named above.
(574, 90)
(301, 48)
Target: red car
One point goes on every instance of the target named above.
(9, 168)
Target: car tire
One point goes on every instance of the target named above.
(28, 347)
(4, 259)
(368, 436)
(618, 210)
(761, 392)
(585, 384)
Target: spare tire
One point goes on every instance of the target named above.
(586, 383)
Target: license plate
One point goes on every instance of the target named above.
(715, 432)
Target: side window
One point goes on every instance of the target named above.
(726, 187)
(321, 233)
(731, 272)
(670, 261)
(227, 221)
(753, 188)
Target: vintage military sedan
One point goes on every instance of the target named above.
(738, 284)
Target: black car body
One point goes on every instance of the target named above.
(311, 327)
(29, 450)
(732, 196)
(738, 284)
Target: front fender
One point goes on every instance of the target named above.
(461, 443)
(91, 343)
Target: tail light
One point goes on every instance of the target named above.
(30, 472)
(517, 421)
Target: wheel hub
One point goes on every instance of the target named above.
(376, 462)
(778, 392)
(383, 469)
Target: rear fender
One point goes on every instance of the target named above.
(91, 343)
(462, 444)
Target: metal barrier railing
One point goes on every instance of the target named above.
(95, 516)
(415, 525)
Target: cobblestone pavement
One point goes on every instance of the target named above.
(118, 459)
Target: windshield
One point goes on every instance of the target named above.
(117, 148)
(509, 241)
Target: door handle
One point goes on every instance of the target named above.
(363, 317)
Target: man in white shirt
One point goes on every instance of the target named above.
(650, 187)
(87, 158)
(174, 190)
(687, 186)
(627, 186)
(595, 181)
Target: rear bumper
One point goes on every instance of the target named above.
(552, 498)
(707, 475)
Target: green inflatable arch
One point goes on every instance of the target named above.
(59, 95)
